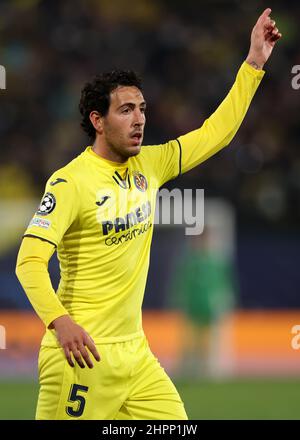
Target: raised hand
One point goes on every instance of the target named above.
(263, 39)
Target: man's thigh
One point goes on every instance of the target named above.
(76, 393)
(152, 395)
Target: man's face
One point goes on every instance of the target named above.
(123, 126)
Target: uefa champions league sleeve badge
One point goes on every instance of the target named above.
(47, 204)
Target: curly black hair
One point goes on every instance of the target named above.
(95, 95)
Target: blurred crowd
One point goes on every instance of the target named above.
(188, 54)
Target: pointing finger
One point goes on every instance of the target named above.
(264, 16)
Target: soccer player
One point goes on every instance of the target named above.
(98, 213)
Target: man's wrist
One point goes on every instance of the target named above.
(254, 62)
(59, 320)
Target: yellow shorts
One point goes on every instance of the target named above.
(127, 384)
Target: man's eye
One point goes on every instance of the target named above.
(126, 110)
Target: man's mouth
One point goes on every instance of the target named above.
(137, 136)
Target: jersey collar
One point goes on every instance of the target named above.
(104, 162)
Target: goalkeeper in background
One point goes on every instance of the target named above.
(97, 212)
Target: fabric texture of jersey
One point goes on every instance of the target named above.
(100, 214)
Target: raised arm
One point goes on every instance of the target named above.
(187, 151)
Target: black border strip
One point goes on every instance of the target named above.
(180, 156)
(43, 239)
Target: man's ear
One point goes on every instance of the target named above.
(97, 121)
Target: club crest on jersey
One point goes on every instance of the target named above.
(140, 181)
(47, 204)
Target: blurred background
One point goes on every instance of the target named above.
(220, 309)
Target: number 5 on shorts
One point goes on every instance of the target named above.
(75, 397)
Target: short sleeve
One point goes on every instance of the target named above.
(57, 210)
(164, 159)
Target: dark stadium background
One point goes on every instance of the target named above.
(188, 54)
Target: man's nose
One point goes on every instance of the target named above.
(139, 119)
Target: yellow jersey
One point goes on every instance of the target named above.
(100, 216)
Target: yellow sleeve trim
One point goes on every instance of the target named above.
(250, 69)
